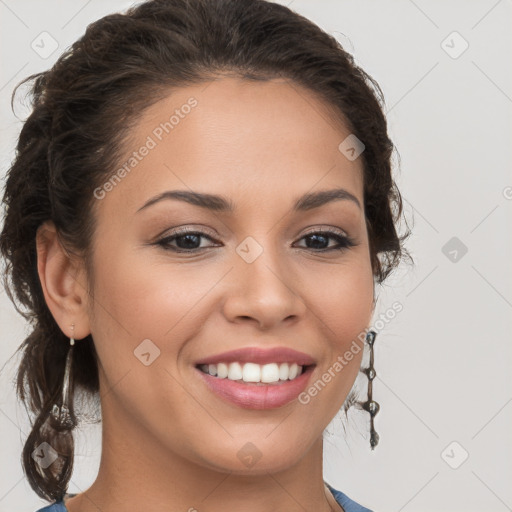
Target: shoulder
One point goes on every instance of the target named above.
(55, 507)
(347, 504)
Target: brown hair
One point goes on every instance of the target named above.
(82, 111)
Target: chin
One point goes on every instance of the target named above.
(254, 458)
(262, 466)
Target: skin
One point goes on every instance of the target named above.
(166, 438)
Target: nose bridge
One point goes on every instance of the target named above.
(264, 289)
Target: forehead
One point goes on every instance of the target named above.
(231, 135)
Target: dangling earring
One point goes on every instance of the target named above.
(370, 405)
(63, 414)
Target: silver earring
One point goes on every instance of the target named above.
(62, 414)
(371, 405)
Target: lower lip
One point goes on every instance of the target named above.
(252, 396)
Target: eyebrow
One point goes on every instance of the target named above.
(222, 204)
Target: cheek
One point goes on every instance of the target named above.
(137, 300)
(342, 299)
(144, 313)
(142, 299)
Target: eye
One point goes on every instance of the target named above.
(319, 241)
(186, 241)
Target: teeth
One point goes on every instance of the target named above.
(234, 371)
(292, 372)
(252, 372)
(270, 372)
(283, 371)
(222, 370)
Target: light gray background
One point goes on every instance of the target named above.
(443, 363)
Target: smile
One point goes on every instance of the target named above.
(255, 394)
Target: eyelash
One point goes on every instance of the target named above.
(344, 242)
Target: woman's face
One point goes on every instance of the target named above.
(255, 276)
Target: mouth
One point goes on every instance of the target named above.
(256, 377)
(244, 384)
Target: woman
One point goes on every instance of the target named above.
(200, 205)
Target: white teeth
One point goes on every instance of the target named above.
(234, 371)
(222, 370)
(252, 372)
(270, 373)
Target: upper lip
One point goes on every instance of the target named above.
(260, 356)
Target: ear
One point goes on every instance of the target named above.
(63, 282)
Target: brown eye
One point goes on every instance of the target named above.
(186, 241)
(319, 241)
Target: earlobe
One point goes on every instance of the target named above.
(62, 282)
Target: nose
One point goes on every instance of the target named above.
(263, 292)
